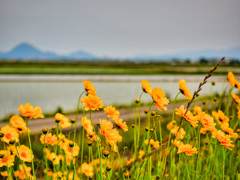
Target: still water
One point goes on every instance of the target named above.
(49, 92)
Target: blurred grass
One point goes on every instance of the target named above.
(118, 68)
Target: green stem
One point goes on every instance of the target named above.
(30, 144)
(75, 130)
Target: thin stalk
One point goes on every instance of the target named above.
(75, 130)
(30, 144)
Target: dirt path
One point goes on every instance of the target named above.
(128, 113)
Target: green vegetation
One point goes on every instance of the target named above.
(111, 68)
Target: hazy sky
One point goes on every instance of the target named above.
(120, 27)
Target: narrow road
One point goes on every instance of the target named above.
(37, 125)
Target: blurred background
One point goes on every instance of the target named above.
(47, 48)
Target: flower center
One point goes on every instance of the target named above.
(23, 154)
(8, 135)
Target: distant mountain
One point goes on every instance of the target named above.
(28, 51)
(232, 53)
(80, 55)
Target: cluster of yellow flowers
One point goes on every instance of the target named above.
(64, 153)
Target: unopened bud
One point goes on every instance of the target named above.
(108, 168)
(89, 143)
(44, 131)
(146, 129)
(106, 153)
(137, 100)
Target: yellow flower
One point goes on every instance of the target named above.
(29, 111)
(86, 169)
(159, 99)
(21, 172)
(92, 102)
(181, 111)
(225, 127)
(111, 135)
(6, 158)
(87, 124)
(49, 139)
(111, 112)
(10, 133)
(223, 139)
(184, 90)
(141, 153)
(64, 121)
(146, 86)
(121, 124)
(187, 149)
(178, 133)
(24, 153)
(171, 124)
(71, 151)
(207, 121)
(231, 79)
(236, 98)
(86, 85)
(18, 123)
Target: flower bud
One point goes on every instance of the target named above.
(151, 130)
(72, 121)
(53, 128)
(153, 113)
(71, 144)
(45, 131)
(213, 83)
(89, 143)
(106, 153)
(108, 168)
(137, 100)
(133, 125)
(146, 129)
(146, 111)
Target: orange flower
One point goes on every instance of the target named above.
(184, 90)
(111, 135)
(225, 127)
(177, 143)
(231, 79)
(64, 121)
(207, 122)
(154, 144)
(29, 111)
(131, 160)
(21, 172)
(111, 112)
(197, 110)
(222, 117)
(236, 98)
(178, 133)
(181, 111)
(92, 102)
(188, 116)
(86, 169)
(49, 139)
(87, 124)
(24, 153)
(71, 151)
(193, 120)
(121, 124)
(223, 139)
(91, 90)
(187, 149)
(86, 85)
(141, 153)
(159, 99)
(70, 159)
(146, 86)
(10, 133)
(18, 123)
(6, 158)
(171, 125)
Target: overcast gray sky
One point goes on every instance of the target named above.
(120, 27)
